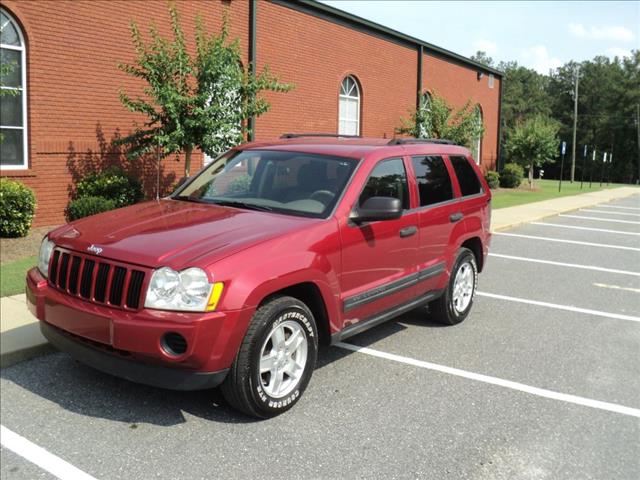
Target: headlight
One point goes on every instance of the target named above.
(46, 249)
(188, 290)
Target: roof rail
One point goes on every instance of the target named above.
(410, 141)
(328, 135)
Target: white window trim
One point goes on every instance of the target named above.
(23, 88)
(341, 97)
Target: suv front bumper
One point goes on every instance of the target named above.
(130, 344)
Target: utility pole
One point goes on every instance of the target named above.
(576, 81)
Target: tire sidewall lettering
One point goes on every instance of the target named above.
(268, 402)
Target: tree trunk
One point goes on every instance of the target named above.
(531, 176)
(187, 160)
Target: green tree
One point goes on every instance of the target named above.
(483, 58)
(435, 118)
(193, 101)
(533, 143)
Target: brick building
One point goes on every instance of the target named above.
(350, 76)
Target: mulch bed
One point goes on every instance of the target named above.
(16, 248)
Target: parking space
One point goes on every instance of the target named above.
(541, 381)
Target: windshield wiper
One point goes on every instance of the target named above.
(187, 198)
(248, 206)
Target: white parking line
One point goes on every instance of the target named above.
(600, 219)
(562, 264)
(584, 228)
(562, 240)
(610, 212)
(618, 206)
(521, 387)
(41, 457)
(568, 308)
(616, 287)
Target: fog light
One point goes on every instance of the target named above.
(173, 344)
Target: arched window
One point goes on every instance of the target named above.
(349, 108)
(13, 100)
(476, 147)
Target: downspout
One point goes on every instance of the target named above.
(419, 79)
(253, 13)
(499, 159)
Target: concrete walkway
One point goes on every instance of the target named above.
(505, 218)
(20, 336)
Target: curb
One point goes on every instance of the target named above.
(545, 209)
(27, 331)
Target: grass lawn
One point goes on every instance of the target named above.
(543, 190)
(12, 275)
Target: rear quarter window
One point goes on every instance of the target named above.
(467, 178)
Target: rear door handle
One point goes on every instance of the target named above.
(408, 231)
(455, 217)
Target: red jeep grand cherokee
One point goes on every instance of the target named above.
(270, 250)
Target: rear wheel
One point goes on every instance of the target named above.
(276, 359)
(455, 303)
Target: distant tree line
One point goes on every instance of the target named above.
(608, 99)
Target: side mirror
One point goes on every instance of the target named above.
(377, 208)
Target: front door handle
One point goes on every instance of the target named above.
(408, 231)
(455, 217)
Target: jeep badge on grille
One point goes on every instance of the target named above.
(93, 249)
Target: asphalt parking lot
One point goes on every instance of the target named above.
(541, 381)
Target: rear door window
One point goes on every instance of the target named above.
(467, 178)
(434, 183)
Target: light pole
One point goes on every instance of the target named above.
(576, 80)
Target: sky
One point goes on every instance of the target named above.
(538, 35)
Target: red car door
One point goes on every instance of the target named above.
(379, 258)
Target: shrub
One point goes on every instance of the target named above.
(17, 204)
(493, 179)
(511, 175)
(112, 184)
(85, 206)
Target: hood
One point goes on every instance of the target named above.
(173, 233)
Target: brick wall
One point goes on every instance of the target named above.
(73, 49)
(459, 84)
(316, 57)
(73, 82)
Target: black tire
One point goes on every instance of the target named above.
(442, 310)
(243, 388)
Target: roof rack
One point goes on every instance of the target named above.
(410, 141)
(328, 135)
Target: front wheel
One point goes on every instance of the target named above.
(275, 361)
(455, 303)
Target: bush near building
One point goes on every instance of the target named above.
(103, 191)
(493, 179)
(113, 184)
(511, 176)
(17, 205)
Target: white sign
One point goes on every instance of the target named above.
(564, 147)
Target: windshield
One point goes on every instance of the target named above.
(287, 182)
